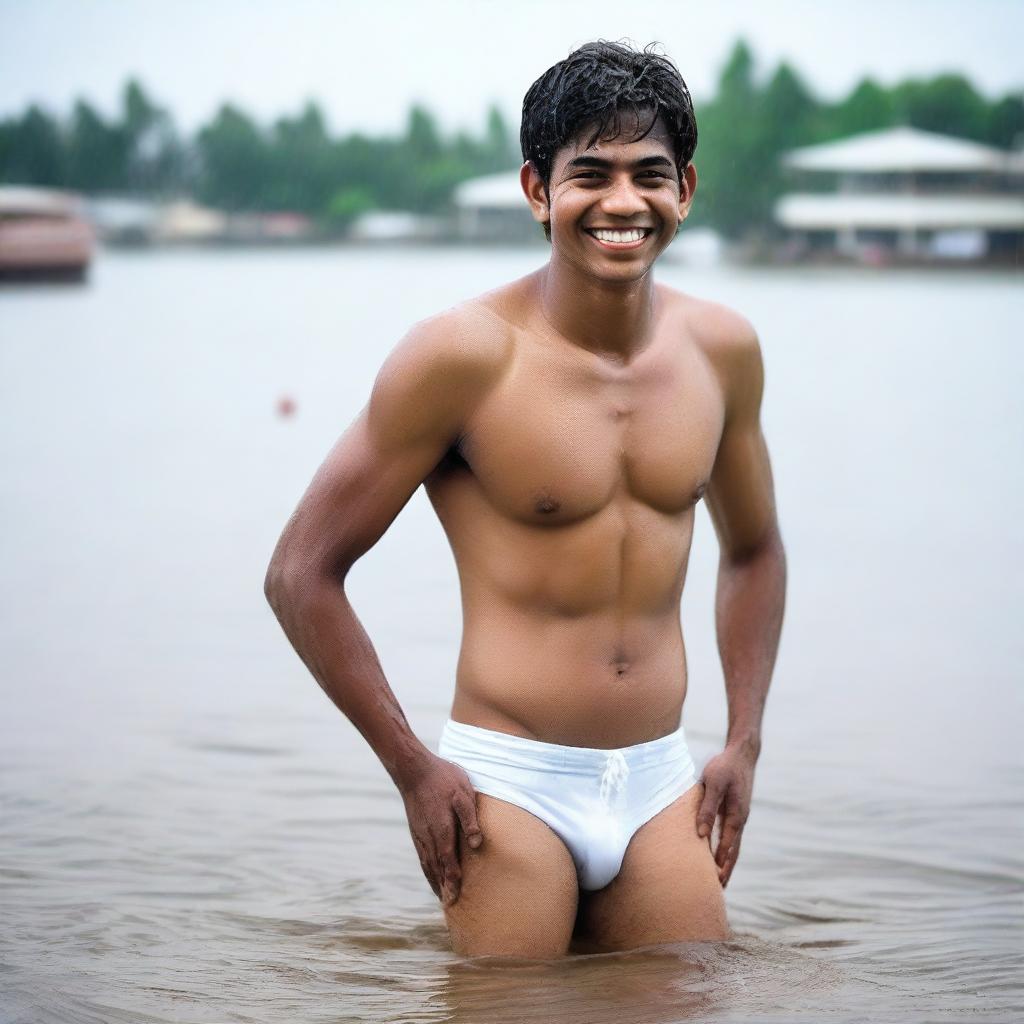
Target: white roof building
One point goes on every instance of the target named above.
(811, 212)
(495, 191)
(493, 208)
(904, 150)
(906, 191)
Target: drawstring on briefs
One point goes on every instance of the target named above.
(614, 776)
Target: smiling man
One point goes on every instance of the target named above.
(565, 427)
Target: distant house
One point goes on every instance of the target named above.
(383, 226)
(277, 228)
(123, 220)
(902, 193)
(186, 221)
(494, 209)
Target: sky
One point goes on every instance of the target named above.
(366, 62)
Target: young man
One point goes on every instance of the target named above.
(565, 426)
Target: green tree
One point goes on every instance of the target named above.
(789, 109)
(35, 150)
(868, 108)
(347, 204)
(500, 153)
(948, 104)
(737, 154)
(736, 83)
(235, 161)
(152, 150)
(96, 151)
(7, 134)
(1006, 122)
(422, 138)
(301, 172)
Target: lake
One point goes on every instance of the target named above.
(190, 831)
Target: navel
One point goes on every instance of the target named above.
(620, 662)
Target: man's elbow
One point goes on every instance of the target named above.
(287, 576)
(290, 581)
(767, 547)
(276, 584)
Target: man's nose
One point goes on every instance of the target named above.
(622, 200)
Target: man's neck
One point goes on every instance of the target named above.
(611, 319)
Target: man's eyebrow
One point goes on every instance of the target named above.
(601, 164)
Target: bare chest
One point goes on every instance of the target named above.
(557, 441)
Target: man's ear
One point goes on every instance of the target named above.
(687, 187)
(536, 194)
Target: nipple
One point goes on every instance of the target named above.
(545, 504)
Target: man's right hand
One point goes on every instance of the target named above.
(439, 800)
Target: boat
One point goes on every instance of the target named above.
(43, 235)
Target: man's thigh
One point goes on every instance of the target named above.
(519, 889)
(667, 890)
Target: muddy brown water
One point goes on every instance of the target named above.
(189, 832)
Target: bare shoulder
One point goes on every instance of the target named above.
(437, 375)
(467, 342)
(721, 332)
(727, 340)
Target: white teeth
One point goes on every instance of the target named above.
(607, 235)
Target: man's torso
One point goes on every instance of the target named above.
(569, 505)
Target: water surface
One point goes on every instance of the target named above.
(190, 832)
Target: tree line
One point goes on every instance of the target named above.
(234, 163)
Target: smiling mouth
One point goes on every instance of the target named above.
(620, 238)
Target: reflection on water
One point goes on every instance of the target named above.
(190, 833)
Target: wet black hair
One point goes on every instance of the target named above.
(595, 89)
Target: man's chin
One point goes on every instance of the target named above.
(622, 270)
(611, 267)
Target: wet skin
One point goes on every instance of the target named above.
(565, 427)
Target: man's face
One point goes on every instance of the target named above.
(614, 207)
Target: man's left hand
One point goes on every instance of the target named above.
(728, 781)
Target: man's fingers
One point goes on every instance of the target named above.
(439, 863)
(428, 865)
(730, 863)
(731, 829)
(446, 860)
(728, 847)
(465, 808)
(708, 808)
(451, 875)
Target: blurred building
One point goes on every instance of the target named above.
(186, 221)
(696, 247)
(904, 194)
(123, 220)
(494, 209)
(275, 228)
(382, 226)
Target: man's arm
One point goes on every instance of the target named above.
(421, 401)
(751, 587)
